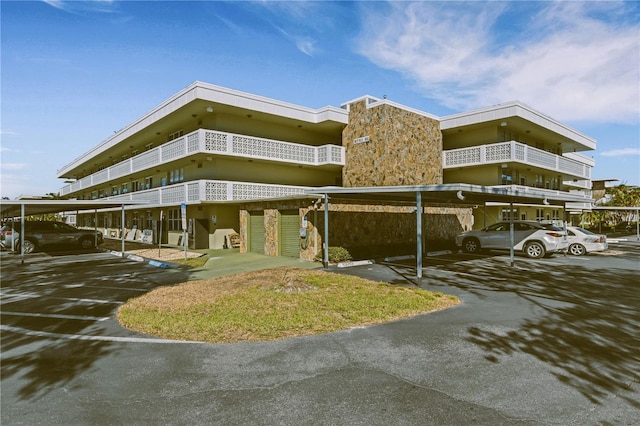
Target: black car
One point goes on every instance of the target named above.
(41, 234)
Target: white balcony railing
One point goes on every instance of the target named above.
(517, 152)
(209, 190)
(214, 142)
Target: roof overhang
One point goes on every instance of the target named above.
(520, 111)
(200, 97)
(457, 194)
(32, 207)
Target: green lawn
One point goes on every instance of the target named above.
(273, 304)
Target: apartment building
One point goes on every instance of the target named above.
(239, 163)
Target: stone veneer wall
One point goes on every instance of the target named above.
(385, 230)
(405, 148)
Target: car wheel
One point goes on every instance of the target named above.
(471, 245)
(86, 243)
(535, 250)
(29, 247)
(577, 250)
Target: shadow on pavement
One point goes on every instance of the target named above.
(55, 309)
(585, 324)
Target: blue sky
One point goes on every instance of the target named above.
(73, 72)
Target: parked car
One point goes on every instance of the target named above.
(41, 234)
(583, 241)
(6, 236)
(534, 239)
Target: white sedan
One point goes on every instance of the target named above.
(534, 239)
(583, 241)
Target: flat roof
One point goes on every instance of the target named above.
(514, 109)
(14, 207)
(453, 193)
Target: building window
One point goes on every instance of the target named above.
(539, 214)
(149, 221)
(148, 182)
(506, 214)
(134, 186)
(174, 220)
(507, 177)
(115, 190)
(176, 176)
(125, 188)
(175, 135)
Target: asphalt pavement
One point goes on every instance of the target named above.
(550, 341)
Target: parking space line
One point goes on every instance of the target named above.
(46, 334)
(56, 316)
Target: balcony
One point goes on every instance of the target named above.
(204, 141)
(209, 190)
(514, 152)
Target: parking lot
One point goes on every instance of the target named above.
(549, 341)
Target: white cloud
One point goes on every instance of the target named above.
(624, 152)
(12, 166)
(304, 44)
(78, 5)
(561, 60)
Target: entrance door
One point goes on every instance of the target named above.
(256, 232)
(289, 233)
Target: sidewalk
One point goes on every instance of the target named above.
(221, 262)
(231, 261)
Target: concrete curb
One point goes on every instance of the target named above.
(137, 258)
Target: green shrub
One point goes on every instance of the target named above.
(336, 255)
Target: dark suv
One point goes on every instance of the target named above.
(43, 234)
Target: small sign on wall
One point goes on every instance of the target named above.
(363, 139)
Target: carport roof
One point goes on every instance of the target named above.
(453, 193)
(9, 208)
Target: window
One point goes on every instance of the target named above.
(507, 177)
(506, 214)
(175, 220)
(149, 221)
(175, 135)
(115, 190)
(148, 182)
(125, 188)
(539, 214)
(176, 175)
(134, 186)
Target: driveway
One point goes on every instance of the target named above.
(552, 341)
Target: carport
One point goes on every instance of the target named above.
(457, 194)
(22, 208)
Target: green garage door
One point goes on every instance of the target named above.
(256, 232)
(289, 233)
